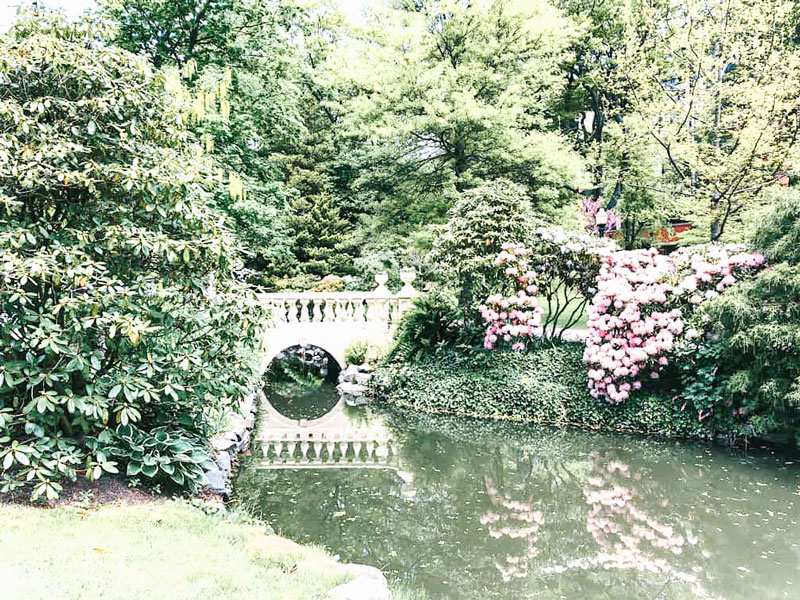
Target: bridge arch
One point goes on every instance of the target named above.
(334, 320)
(281, 342)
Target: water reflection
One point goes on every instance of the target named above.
(496, 511)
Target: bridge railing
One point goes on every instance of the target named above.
(378, 307)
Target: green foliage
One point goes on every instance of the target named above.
(322, 240)
(430, 325)
(696, 73)
(758, 324)
(460, 92)
(162, 455)
(480, 222)
(567, 264)
(356, 352)
(243, 43)
(120, 300)
(546, 386)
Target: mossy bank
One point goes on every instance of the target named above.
(546, 386)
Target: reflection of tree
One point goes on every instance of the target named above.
(518, 521)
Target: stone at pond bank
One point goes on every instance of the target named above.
(369, 583)
(229, 444)
(353, 384)
(353, 394)
(362, 588)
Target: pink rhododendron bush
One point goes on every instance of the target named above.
(642, 304)
(513, 318)
(558, 267)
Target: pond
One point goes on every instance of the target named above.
(462, 509)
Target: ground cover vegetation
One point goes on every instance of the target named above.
(161, 160)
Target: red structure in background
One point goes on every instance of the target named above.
(669, 236)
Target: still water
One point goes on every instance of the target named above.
(469, 510)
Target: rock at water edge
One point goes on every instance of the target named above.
(363, 588)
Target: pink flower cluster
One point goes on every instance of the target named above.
(637, 315)
(515, 318)
(589, 208)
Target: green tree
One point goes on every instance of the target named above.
(447, 95)
(123, 328)
(480, 222)
(717, 84)
(322, 239)
(248, 82)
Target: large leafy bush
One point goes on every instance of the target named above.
(756, 331)
(121, 319)
(431, 324)
(480, 222)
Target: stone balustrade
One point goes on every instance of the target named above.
(379, 307)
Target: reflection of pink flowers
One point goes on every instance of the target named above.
(517, 520)
(623, 530)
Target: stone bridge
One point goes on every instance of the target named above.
(334, 320)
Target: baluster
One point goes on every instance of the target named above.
(359, 310)
(284, 447)
(292, 310)
(341, 311)
(392, 312)
(291, 446)
(304, 451)
(329, 315)
(316, 317)
(357, 449)
(304, 310)
(349, 311)
(273, 306)
(382, 451)
(331, 448)
(318, 451)
(380, 312)
(372, 307)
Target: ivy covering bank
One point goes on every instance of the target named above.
(546, 385)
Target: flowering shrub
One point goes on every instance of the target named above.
(514, 318)
(558, 266)
(637, 315)
(567, 264)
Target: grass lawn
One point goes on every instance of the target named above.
(156, 550)
(562, 320)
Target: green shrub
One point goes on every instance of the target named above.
(432, 324)
(756, 325)
(119, 304)
(163, 455)
(356, 352)
(480, 222)
(545, 386)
